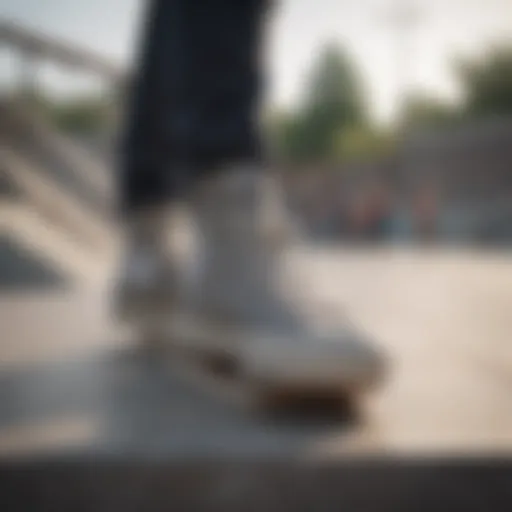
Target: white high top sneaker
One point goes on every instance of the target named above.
(240, 310)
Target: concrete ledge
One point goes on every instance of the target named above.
(234, 485)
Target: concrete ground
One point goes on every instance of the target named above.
(68, 384)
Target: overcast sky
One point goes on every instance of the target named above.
(447, 28)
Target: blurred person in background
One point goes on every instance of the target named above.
(193, 136)
(426, 212)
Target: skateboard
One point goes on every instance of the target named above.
(276, 377)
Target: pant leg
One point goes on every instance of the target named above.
(195, 99)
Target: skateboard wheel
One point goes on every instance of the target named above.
(222, 365)
(337, 402)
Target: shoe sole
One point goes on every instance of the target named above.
(275, 394)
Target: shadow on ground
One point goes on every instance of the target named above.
(111, 403)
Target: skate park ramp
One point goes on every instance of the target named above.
(72, 386)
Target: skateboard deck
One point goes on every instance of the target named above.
(271, 381)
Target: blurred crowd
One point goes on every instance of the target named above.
(329, 209)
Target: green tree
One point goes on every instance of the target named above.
(290, 132)
(364, 142)
(424, 111)
(487, 83)
(334, 99)
(86, 115)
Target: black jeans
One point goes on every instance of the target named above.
(195, 97)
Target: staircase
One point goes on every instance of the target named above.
(55, 204)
